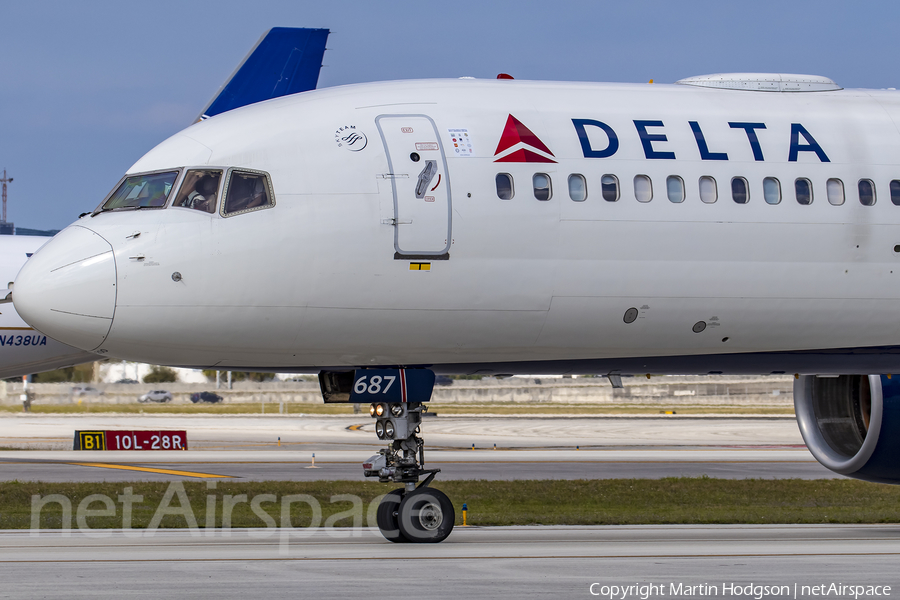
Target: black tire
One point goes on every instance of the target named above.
(387, 516)
(426, 516)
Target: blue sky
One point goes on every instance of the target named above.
(88, 87)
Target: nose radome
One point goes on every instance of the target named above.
(67, 290)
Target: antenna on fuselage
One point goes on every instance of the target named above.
(4, 180)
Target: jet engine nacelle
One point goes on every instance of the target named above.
(851, 424)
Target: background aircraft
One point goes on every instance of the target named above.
(22, 349)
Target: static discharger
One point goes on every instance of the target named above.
(420, 266)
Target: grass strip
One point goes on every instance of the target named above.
(684, 500)
(271, 408)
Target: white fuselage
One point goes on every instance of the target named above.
(330, 277)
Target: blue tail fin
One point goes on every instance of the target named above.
(285, 60)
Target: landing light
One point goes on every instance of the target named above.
(388, 430)
(379, 430)
(379, 410)
(396, 409)
(372, 410)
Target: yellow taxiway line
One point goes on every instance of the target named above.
(152, 470)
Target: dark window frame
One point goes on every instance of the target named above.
(176, 185)
(649, 181)
(715, 187)
(840, 182)
(894, 187)
(549, 187)
(584, 183)
(859, 191)
(777, 186)
(735, 195)
(809, 185)
(680, 180)
(512, 185)
(229, 178)
(603, 188)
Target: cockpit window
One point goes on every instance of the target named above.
(200, 190)
(142, 191)
(246, 191)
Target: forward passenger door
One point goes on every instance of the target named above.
(417, 169)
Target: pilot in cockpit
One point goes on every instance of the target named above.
(204, 195)
(199, 191)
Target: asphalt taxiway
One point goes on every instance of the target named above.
(728, 463)
(508, 562)
(249, 448)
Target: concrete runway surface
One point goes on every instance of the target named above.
(509, 562)
(245, 447)
(255, 432)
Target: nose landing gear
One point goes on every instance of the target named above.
(415, 513)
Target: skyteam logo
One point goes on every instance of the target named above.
(518, 144)
(351, 138)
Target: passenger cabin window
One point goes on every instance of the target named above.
(708, 191)
(803, 191)
(772, 190)
(740, 191)
(834, 190)
(866, 192)
(504, 186)
(643, 188)
(675, 188)
(200, 190)
(895, 192)
(150, 190)
(609, 188)
(577, 188)
(541, 183)
(247, 191)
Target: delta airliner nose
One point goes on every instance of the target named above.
(67, 290)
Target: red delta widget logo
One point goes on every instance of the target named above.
(518, 144)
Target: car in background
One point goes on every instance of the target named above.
(126, 381)
(210, 397)
(156, 396)
(443, 380)
(79, 391)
